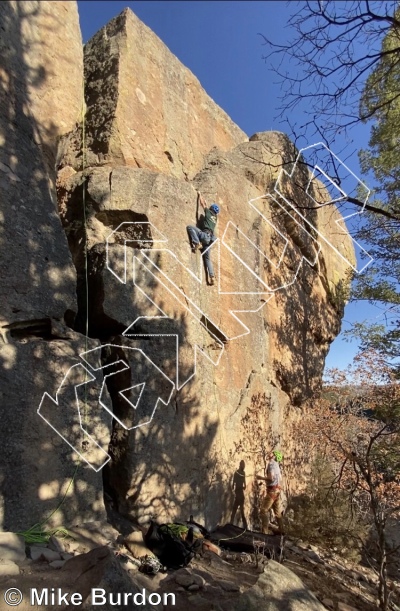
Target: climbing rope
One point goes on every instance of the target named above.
(84, 152)
(232, 538)
(36, 533)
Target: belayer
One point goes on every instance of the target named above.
(272, 499)
(203, 236)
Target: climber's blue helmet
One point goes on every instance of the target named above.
(214, 208)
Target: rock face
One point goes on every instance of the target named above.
(205, 385)
(205, 374)
(40, 100)
(144, 108)
(41, 74)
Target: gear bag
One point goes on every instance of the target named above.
(170, 548)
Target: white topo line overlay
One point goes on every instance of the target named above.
(142, 261)
(342, 197)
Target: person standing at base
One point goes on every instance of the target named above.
(239, 486)
(272, 499)
(203, 236)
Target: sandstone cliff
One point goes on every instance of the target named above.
(180, 382)
(144, 108)
(153, 140)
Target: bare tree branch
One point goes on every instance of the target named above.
(333, 48)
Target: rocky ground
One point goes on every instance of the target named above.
(95, 556)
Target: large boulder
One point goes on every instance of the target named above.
(94, 580)
(195, 369)
(278, 589)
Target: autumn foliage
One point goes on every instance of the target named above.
(354, 426)
(346, 441)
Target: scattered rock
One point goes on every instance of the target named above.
(184, 580)
(76, 547)
(56, 544)
(314, 556)
(199, 602)
(183, 571)
(57, 564)
(229, 587)
(358, 576)
(199, 580)
(194, 587)
(214, 590)
(343, 596)
(12, 547)
(338, 566)
(44, 553)
(328, 602)
(36, 552)
(8, 568)
(50, 555)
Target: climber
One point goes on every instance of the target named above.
(203, 236)
(272, 500)
(239, 486)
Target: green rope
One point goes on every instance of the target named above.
(36, 533)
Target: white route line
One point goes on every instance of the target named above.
(183, 298)
(56, 402)
(92, 378)
(143, 240)
(149, 266)
(197, 348)
(126, 366)
(276, 266)
(134, 405)
(338, 222)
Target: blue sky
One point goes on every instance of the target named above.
(221, 44)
